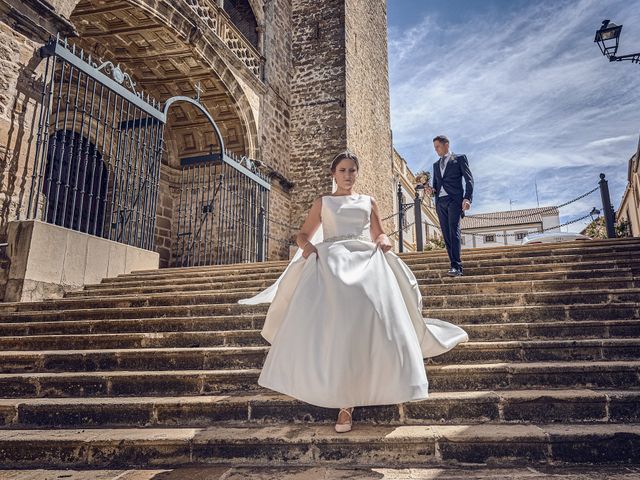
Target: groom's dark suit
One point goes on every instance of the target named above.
(449, 206)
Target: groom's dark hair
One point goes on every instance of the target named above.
(441, 139)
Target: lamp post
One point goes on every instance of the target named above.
(417, 207)
(417, 210)
(609, 212)
(608, 39)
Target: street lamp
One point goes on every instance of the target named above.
(608, 39)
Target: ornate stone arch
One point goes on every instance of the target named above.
(197, 35)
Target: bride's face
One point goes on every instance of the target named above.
(346, 174)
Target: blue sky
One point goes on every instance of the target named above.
(522, 89)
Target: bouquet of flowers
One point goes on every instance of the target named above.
(423, 177)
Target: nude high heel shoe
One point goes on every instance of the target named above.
(345, 427)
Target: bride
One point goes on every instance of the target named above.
(345, 322)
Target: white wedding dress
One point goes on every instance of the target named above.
(346, 326)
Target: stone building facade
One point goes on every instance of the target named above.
(288, 83)
(629, 212)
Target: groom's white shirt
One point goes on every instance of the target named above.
(447, 157)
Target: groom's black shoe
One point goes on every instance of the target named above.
(454, 272)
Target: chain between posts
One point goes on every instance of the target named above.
(484, 216)
(466, 232)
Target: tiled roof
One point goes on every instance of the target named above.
(503, 219)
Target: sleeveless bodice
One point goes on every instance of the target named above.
(347, 216)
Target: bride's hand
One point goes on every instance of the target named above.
(383, 243)
(308, 249)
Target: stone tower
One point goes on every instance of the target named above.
(340, 97)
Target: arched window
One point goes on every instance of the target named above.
(243, 17)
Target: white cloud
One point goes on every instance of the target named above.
(527, 97)
(604, 142)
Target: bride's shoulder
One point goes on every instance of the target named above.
(318, 200)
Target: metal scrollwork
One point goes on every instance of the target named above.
(118, 75)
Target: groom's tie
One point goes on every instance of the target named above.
(441, 163)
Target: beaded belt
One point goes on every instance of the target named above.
(348, 237)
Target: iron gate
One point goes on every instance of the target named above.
(98, 149)
(224, 204)
(96, 167)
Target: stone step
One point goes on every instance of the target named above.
(88, 341)
(221, 302)
(573, 271)
(300, 444)
(471, 267)
(78, 336)
(566, 298)
(557, 286)
(611, 248)
(62, 327)
(552, 330)
(600, 306)
(247, 357)
(494, 376)
(463, 287)
(296, 472)
(537, 313)
(520, 406)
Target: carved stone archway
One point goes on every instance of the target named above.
(169, 50)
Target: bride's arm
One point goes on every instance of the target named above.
(377, 233)
(309, 227)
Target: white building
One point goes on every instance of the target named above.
(506, 228)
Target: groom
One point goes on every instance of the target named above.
(452, 199)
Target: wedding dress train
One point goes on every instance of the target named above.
(345, 325)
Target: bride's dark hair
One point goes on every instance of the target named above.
(341, 156)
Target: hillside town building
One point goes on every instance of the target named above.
(498, 229)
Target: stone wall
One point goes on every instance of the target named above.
(275, 119)
(18, 96)
(318, 113)
(166, 220)
(367, 96)
(280, 232)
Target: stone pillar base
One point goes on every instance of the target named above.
(48, 260)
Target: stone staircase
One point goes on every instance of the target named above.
(159, 369)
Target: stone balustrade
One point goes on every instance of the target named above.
(217, 19)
